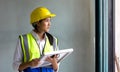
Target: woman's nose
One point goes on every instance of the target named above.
(49, 23)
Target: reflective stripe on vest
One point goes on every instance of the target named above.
(31, 49)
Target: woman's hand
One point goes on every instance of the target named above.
(34, 62)
(53, 60)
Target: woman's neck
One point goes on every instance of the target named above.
(40, 34)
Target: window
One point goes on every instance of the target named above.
(104, 36)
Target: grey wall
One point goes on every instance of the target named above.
(73, 25)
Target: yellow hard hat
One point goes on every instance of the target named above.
(39, 14)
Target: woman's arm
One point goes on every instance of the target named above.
(17, 59)
(23, 66)
(32, 63)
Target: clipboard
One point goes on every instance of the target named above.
(62, 54)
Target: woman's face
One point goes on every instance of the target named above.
(44, 25)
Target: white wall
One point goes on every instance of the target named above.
(73, 25)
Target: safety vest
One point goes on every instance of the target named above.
(31, 49)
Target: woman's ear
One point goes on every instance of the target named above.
(38, 24)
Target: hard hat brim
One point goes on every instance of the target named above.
(51, 15)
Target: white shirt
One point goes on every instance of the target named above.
(17, 60)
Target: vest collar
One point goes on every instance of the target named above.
(35, 35)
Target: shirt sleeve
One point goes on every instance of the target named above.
(17, 59)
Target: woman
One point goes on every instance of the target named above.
(32, 46)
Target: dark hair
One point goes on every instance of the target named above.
(41, 20)
(35, 24)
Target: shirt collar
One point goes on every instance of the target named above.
(36, 35)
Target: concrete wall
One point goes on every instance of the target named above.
(73, 25)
